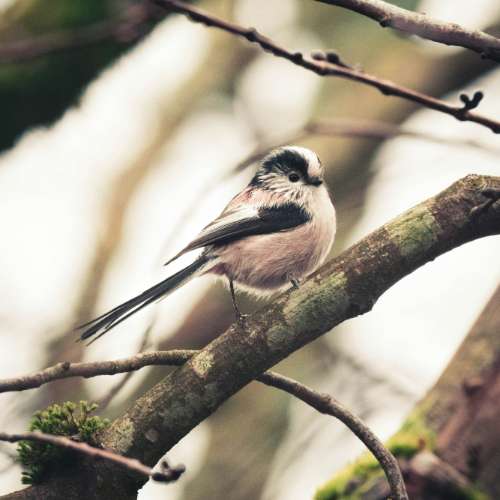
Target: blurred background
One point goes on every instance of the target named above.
(120, 135)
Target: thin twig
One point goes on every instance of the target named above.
(326, 68)
(330, 406)
(415, 23)
(93, 369)
(321, 402)
(167, 474)
(129, 27)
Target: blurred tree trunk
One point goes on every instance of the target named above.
(455, 428)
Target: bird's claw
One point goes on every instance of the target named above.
(241, 319)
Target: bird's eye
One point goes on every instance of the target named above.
(293, 177)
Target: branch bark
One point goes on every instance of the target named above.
(392, 16)
(94, 369)
(345, 287)
(324, 67)
(166, 475)
(321, 402)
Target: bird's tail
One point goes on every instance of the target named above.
(102, 324)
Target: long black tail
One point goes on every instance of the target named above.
(99, 326)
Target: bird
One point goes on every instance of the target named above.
(274, 233)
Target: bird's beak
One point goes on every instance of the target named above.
(315, 181)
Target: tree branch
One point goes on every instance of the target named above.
(392, 16)
(94, 369)
(321, 402)
(165, 475)
(324, 67)
(345, 287)
(329, 406)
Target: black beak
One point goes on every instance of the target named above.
(315, 181)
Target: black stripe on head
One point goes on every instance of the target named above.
(286, 160)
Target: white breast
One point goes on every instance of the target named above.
(266, 263)
(324, 223)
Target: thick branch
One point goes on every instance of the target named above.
(325, 67)
(321, 402)
(166, 475)
(345, 287)
(392, 16)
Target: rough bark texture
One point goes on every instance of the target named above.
(463, 408)
(345, 287)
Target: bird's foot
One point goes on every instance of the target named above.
(295, 283)
(241, 319)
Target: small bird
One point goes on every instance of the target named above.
(275, 232)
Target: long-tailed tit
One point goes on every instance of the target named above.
(275, 232)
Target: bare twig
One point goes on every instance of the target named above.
(330, 406)
(321, 402)
(129, 27)
(93, 369)
(326, 68)
(415, 23)
(167, 474)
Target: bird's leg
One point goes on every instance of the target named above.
(294, 282)
(239, 317)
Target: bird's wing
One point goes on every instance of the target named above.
(247, 221)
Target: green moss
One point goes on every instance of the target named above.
(474, 493)
(301, 309)
(414, 232)
(348, 482)
(358, 477)
(413, 436)
(67, 419)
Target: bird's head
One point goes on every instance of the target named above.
(290, 169)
